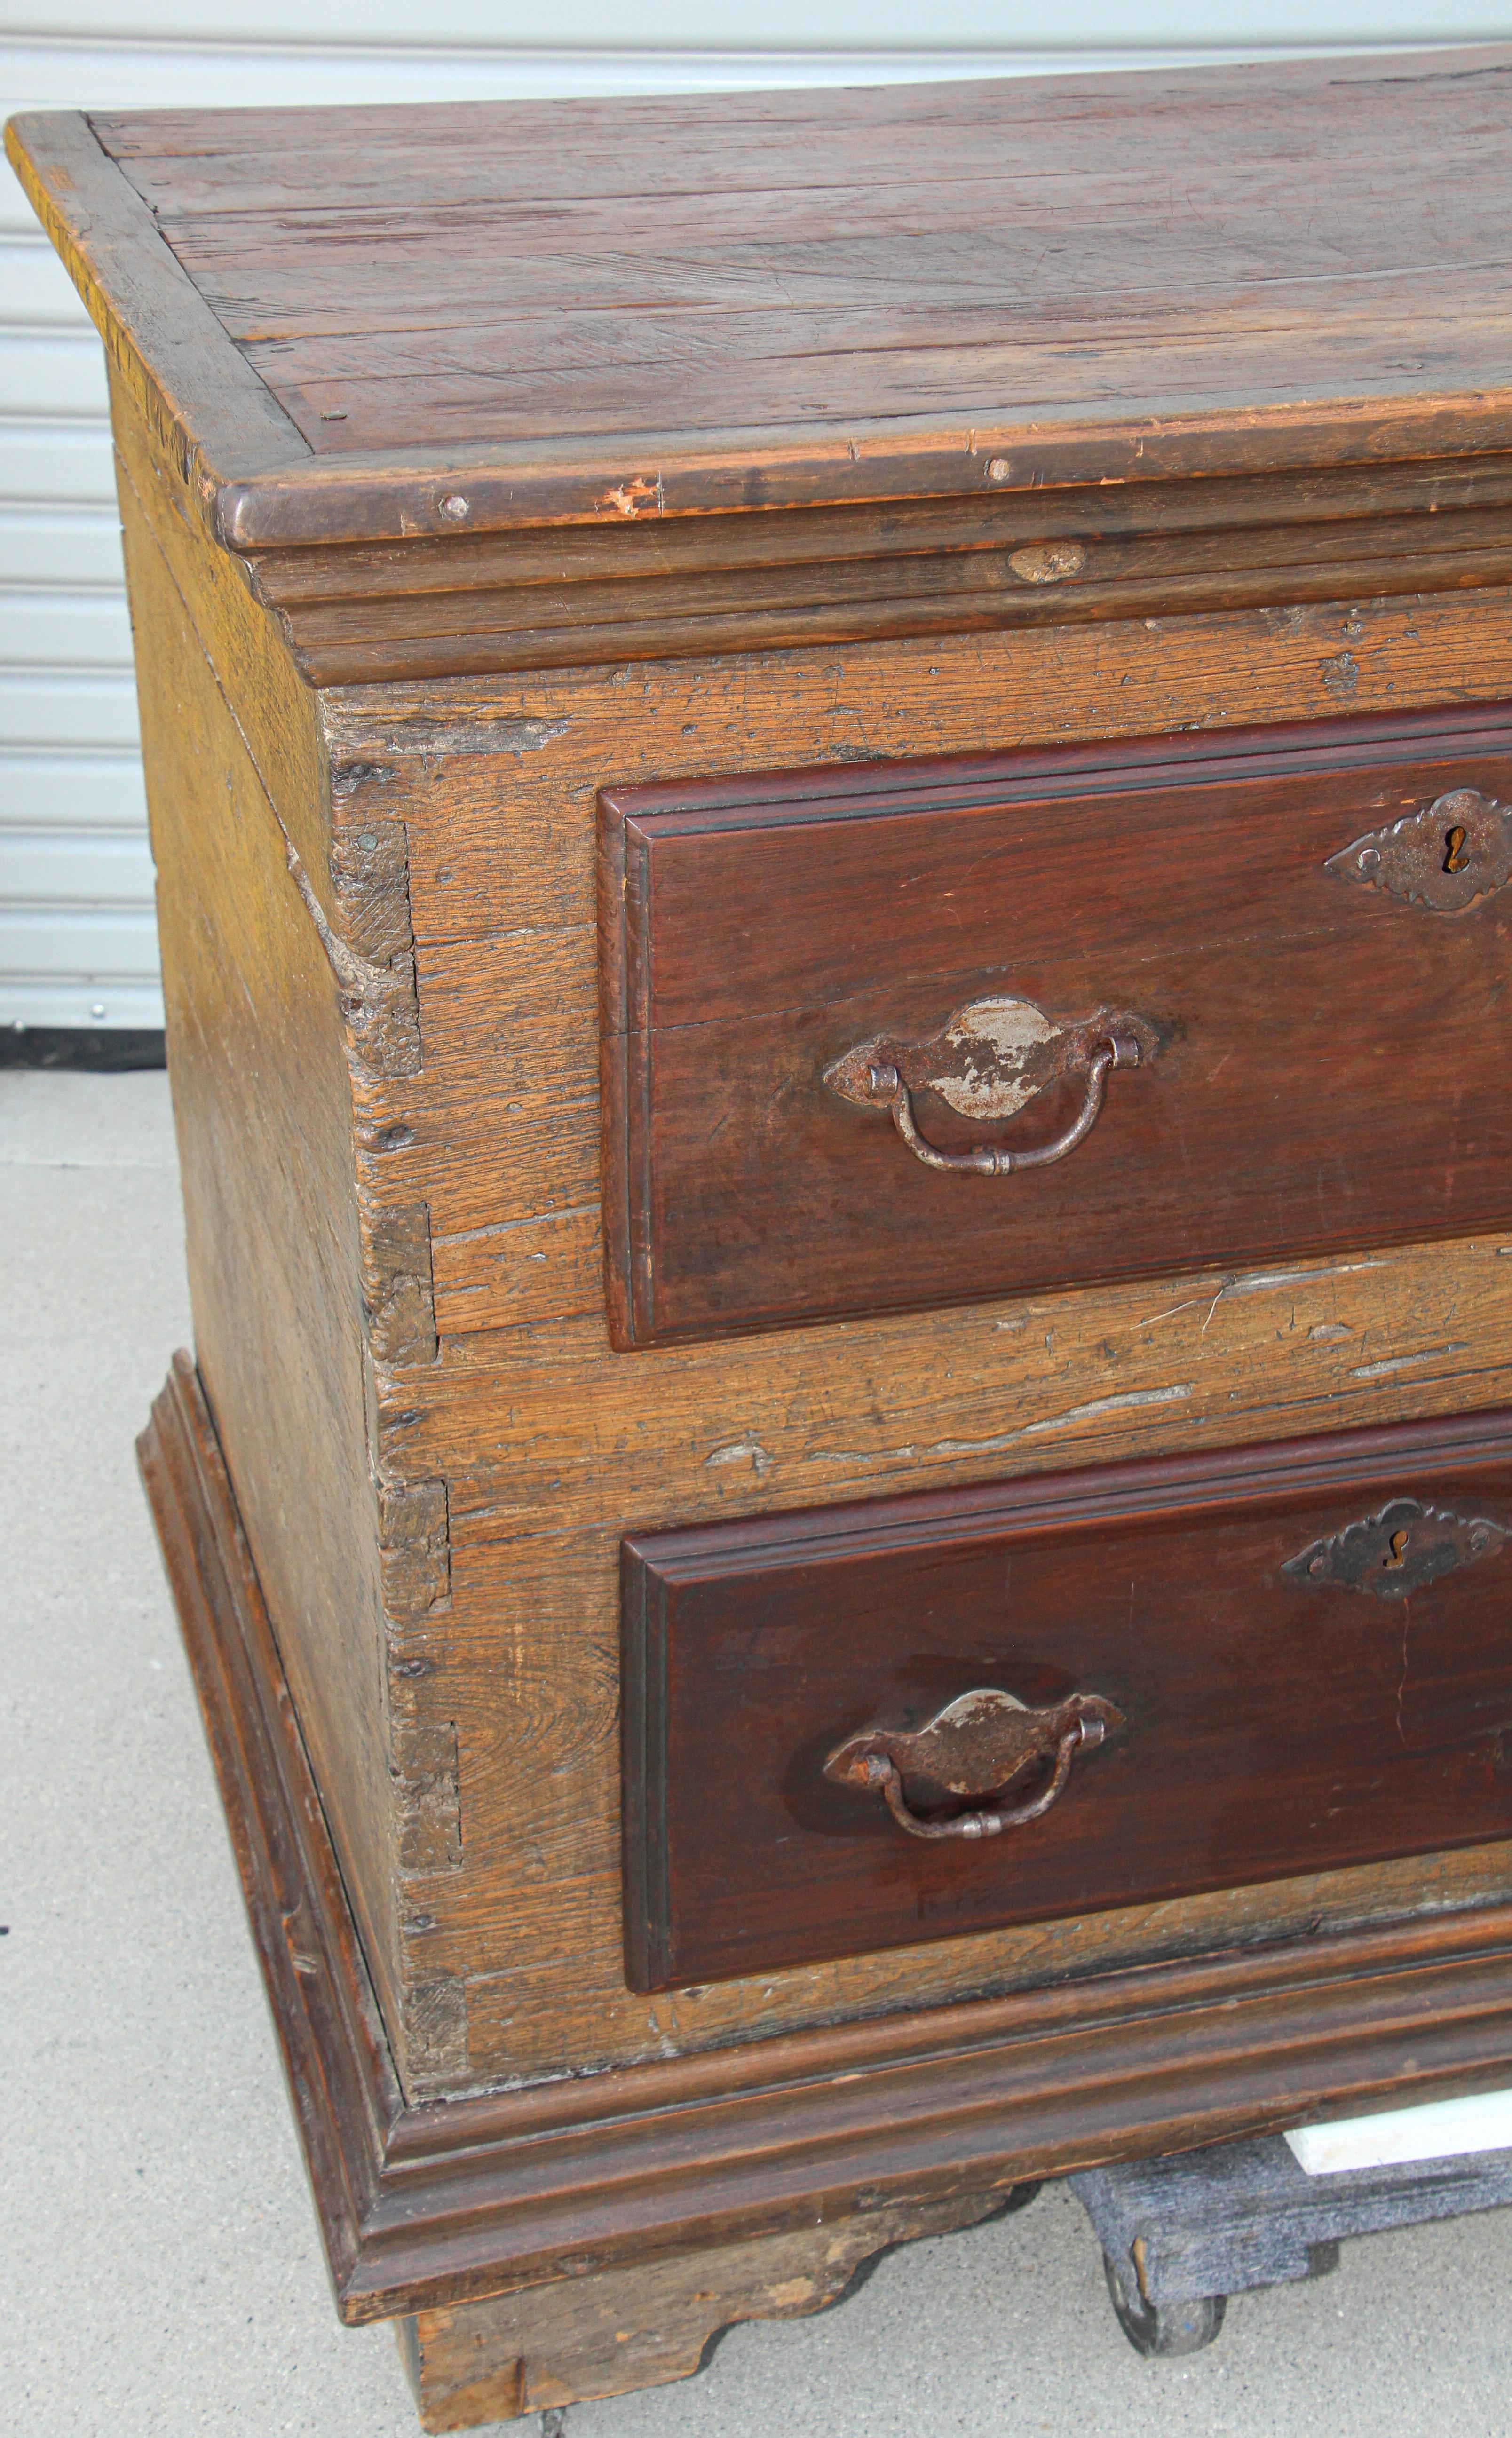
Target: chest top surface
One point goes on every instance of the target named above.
(359, 319)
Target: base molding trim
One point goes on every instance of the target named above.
(426, 2208)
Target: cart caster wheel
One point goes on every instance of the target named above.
(1174, 2328)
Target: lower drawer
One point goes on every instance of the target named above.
(874, 1724)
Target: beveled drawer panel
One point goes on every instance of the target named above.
(864, 1726)
(1220, 999)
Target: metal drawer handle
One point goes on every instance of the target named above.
(977, 1746)
(987, 1063)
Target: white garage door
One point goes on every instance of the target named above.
(76, 937)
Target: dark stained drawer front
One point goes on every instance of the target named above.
(911, 1033)
(857, 1728)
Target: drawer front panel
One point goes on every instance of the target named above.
(1278, 1661)
(1209, 994)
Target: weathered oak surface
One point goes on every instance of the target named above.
(797, 259)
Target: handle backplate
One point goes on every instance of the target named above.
(979, 1745)
(988, 1062)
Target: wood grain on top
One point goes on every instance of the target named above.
(1286, 264)
(1107, 245)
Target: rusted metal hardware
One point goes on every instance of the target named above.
(986, 1063)
(977, 1746)
(1446, 858)
(1404, 1547)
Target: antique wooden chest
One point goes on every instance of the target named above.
(832, 781)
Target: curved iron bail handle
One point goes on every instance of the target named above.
(1001, 1160)
(978, 1743)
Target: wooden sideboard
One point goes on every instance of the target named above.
(830, 777)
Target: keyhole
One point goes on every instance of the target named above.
(1456, 859)
(1399, 1550)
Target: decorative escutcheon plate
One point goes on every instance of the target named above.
(1446, 858)
(1404, 1547)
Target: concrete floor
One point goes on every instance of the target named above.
(159, 2268)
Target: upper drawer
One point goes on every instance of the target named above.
(921, 1032)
